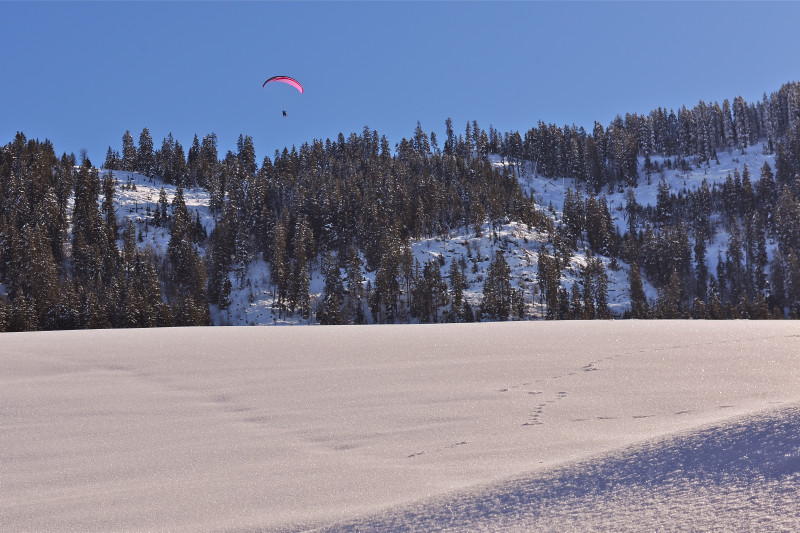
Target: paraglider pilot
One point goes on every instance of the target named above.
(285, 79)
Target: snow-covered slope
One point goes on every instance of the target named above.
(507, 426)
(136, 197)
(738, 475)
(252, 301)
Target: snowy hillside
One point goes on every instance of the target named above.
(551, 192)
(252, 301)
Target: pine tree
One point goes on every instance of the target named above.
(188, 278)
(777, 276)
(727, 122)
(496, 302)
(747, 196)
(179, 170)
(246, 154)
(601, 289)
(170, 162)
(329, 310)
(37, 275)
(792, 277)
(387, 287)
(599, 226)
(298, 281)
(219, 257)
(458, 283)
(787, 221)
(193, 164)
(23, 314)
(434, 290)
(468, 314)
(734, 271)
(575, 303)
(663, 203)
(574, 216)
(669, 302)
(299, 297)
(208, 167)
(129, 157)
(632, 211)
(145, 158)
(589, 288)
(5, 312)
(129, 249)
(279, 262)
(784, 173)
(421, 143)
(699, 310)
(702, 210)
(741, 123)
(766, 192)
(355, 289)
(90, 246)
(594, 166)
(638, 299)
(146, 281)
(701, 266)
(108, 206)
(112, 161)
(549, 284)
(715, 308)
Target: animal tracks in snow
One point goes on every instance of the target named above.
(539, 409)
(450, 446)
(535, 418)
(538, 414)
(550, 385)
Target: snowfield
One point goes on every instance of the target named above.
(512, 426)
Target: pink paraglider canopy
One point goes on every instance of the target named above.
(285, 79)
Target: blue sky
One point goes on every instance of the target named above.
(81, 73)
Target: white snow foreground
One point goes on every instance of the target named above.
(481, 427)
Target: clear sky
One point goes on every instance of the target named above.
(81, 73)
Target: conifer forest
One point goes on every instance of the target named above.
(543, 224)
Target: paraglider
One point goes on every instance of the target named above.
(287, 80)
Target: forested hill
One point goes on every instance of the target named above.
(673, 214)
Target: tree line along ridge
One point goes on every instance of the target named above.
(348, 210)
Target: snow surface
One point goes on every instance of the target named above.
(629, 425)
